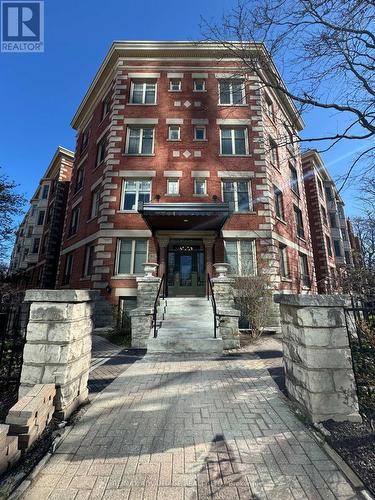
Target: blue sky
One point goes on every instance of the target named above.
(40, 92)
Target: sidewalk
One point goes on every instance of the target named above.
(186, 428)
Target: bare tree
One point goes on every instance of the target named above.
(11, 204)
(325, 51)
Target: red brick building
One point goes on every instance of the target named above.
(332, 241)
(182, 159)
(36, 252)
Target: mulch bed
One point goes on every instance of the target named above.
(356, 445)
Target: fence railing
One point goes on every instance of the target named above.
(211, 295)
(161, 292)
(360, 323)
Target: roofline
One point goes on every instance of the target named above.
(123, 46)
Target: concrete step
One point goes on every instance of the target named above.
(184, 345)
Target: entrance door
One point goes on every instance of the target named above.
(186, 273)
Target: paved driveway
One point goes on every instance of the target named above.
(187, 428)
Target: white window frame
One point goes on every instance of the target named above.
(303, 256)
(174, 180)
(87, 260)
(270, 111)
(144, 82)
(175, 127)
(96, 205)
(278, 192)
(69, 258)
(101, 146)
(45, 188)
(129, 128)
(172, 81)
(231, 91)
(249, 188)
(202, 127)
(205, 186)
(137, 181)
(75, 210)
(106, 106)
(132, 258)
(232, 129)
(195, 85)
(274, 150)
(239, 257)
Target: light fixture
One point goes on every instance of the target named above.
(186, 220)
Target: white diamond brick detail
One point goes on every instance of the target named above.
(187, 154)
(187, 104)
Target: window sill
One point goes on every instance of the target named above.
(295, 193)
(92, 219)
(200, 91)
(200, 195)
(242, 212)
(77, 192)
(102, 120)
(85, 278)
(233, 105)
(71, 236)
(172, 195)
(200, 140)
(173, 140)
(247, 155)
(127, 211)
(98, 165)
(281, 220)
(140, 154)
(126, 276)
(174, 91)
(300, 238)
(286, 280)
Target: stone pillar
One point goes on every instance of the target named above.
(317, 358)
(163, 244)
(228, 314)
(58, 345)
(141, 317)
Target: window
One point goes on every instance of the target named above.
(132, 254)
(126, 305)
(299, 222)
(143, 92)
(238, 195)
(88, 262)
(289, 139)
(95, 200)
(175, 85)
(328, 191)
(74, 218)
(140, 141)
(269, 107)
(135, 192)
(231, 92)
(33, 209)
(85, 139)
(233, 141)
(304, 267)
(79, 178)
(279, 205)
(324, 215)
(41, 218)
(199, 85)
(200, 187)
(332, 219)
(329, 246)
(106, 106)
(337, 246)
(68, 269)
(45, 191)
(241, 256)
(173, 187)
(274, 156)
(344, 234)
(283, 258)
(100, 154)
(320, 187)
(36, 244)
(348, 257)
(293, 180)
(199, 133)
(29, 231)
(174, 133)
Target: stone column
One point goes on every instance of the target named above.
(163, 244)
(141, 317)
(317, 358)
(58, 345)
(228, 314)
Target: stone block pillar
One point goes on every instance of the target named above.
(317, 358)
(228, 314)
(58, 345)
(141, 317)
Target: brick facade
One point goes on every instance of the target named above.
(186, 160)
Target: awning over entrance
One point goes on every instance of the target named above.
(185, 216)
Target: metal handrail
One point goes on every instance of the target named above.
(210, 291)
(161, 289)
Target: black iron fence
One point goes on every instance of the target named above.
(360, 323)
(14, 317)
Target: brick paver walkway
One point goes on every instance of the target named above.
(187, 428)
